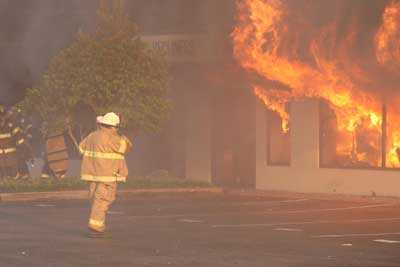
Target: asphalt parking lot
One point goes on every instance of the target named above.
(205, 229)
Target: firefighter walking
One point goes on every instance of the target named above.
(103, 166)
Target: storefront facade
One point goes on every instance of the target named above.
(303, 172)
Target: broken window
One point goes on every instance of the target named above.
(356, 146)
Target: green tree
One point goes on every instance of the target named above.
(111, 69)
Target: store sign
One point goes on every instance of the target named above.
(181, 48)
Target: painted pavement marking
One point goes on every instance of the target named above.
(190, 221)
(44, 205)
(266, 202)
(336, 209)
(347, 245)
(240, 213)
(288, 229)
(356, 235)
(387, 241)
(305, 223)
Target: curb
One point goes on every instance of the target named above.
(126, 193)
(315, 196)
(83, 194)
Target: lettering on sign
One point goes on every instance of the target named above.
(180, 47)
(176, 47)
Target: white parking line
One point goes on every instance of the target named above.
(288, 229)
(266, 202)
(355, 235)
(387, 241)
(305, 223)
(44, 205)
(347, 245)
(241, 203)
(337, 209)
(190, 221)
(241, 213)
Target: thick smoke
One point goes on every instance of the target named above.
(32, 32)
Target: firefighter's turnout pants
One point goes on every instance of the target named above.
(102, 195)
(103, 165)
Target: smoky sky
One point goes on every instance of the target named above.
(31, 32)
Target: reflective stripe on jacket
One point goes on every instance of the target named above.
(103, 154)
(7, 142)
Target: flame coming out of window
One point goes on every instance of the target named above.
(271, 40)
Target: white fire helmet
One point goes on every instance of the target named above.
(110, 119)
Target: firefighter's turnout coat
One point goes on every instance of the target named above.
(8, 149)
(103, 153)
(15, 140)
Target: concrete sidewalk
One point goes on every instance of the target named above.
(126, 193)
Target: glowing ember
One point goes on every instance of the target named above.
(266, 43)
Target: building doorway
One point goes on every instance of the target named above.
(233, 138)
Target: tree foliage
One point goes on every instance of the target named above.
(111, 69)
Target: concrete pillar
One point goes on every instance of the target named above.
(261, 139)
(304, 124)
(198, 135)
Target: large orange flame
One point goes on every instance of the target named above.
(260, 46)
(387, 49)
(387, 40)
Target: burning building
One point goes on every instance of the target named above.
(327, 77)
(274, 94)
